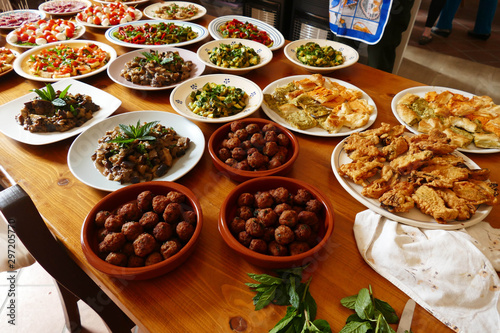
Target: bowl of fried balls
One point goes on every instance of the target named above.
(143, 230)
(276, 222)
(253, 147)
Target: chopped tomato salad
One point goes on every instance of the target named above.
(155, 34)
(238, 29)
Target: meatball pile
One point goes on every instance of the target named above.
(145, 231)
(277, 222)
(249, 147)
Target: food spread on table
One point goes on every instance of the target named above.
(464, 120)
(43, 32)
(217, 100)
(64, 60)
(176, 12)
(234, 55)
(7, 57)
(245, 30)
(420, 171)
(63, 6)
(141, 152)
(312, 54)
(317, 101)
(157, 69)
(56, 111)
(155, 34)
(107, 14)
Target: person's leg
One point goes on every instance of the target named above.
(447, 14)
(435, 8)
(484, 18)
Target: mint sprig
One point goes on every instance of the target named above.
(137, 132)
(50, 95)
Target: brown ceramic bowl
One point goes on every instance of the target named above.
(215, 143)
(111, 202)
(228, 212)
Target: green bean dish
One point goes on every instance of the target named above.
(312, 54)
(234, 55)
(217, 100)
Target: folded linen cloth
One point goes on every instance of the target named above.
(450, 273)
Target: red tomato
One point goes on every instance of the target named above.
(32, 39)
(97, 20)
(51, 39)
(71, 25)
(70, 32)
(79, 16)
(114, 21)
(41, 22)
(24, 37)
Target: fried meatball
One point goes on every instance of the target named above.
(153, 258)
(289, 218)
(189, 216)
(172, 213)
(252, 128)
(114, 222)
(184, 230)
(117, 259)
(101, 234)
(149, 220)
(271, 136)
(244, 212)
(233, 143)
(269, 127)
(245, 199)
(284, 235)
(231, 162)
(241, 134)
(129, 211)
(258, 245)
(236, 125)
(302, 197)
(176, 197)
(252, 150)
(278, 209)
(112, 242)
(274, 163)
(132, 230)
(314, 206)
(244, 238)
(128, 249)
(268, 234)
(281, 154)
(238, 154)
(298, 248)
(257, 140)
(135, 261)
(145, 200)
(159, 204)
(224, 154)
(267, 217)
(264, 199)
(254, 228)
(243, 165)
(171, 247)
(270, 149)
(237, 225)
(246, 145)
(276, 249)
(257, 160)
(100, 217)
(283, 140)
(302, 232)
(163, 231)
(280, 195)
(144, 245)
(307, 217)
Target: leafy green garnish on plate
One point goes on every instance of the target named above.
(137, 132)
(50, 95)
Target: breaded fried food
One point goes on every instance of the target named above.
(477, 192)
(398, 199)
(449, 159)
(464, 208)
(439, 175)
(362, 148)
(397, 147)
(360, 171)
(429, 202)
(404, 164)
(388, 178)
(436, 141)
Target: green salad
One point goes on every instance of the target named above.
(312, 54)
(217, 100)
(234, 55)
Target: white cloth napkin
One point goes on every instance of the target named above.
(450, 273)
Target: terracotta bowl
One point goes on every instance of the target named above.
(215, 143)
(228, 212)
(111, 202)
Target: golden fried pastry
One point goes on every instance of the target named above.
(360, 171)
(429, 202)
(398, 199)
(477, 192)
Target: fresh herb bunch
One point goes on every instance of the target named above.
(372, 314)
(287, 289)
(50, 95)
(162, 60)
(137, 132)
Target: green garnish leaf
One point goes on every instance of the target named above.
(59, 102)
(137, 132)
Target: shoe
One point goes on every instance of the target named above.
(472, 34)
(424, 40)
(441, 32)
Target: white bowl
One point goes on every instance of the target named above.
(351, 56)
(179, 98)
(266, 55)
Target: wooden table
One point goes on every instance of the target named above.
(209, 290)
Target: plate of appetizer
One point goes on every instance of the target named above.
(434, 187)
(318, 105)
(87, 58)
(176, 143)
(7, 57)
(15, 18)
(320, 55)
(16, 122)
(104, 16)
(64, 7)
(156, 68)
(43, 32)
(145, 33)
(175, 10)
(232, 26)
(128, 3)
(471, 122)
(200, 98)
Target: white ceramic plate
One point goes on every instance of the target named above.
(421, 91)
(414, 217)
(21, 61)
(200, 30)
(128, 3)
(350, 55)
(118, 64)
(315, 131)
(15, 18)
(12, 129)
(12, 63)
(179, 98)
(149, 11)
(64, 7)
(266, 55)
(79, 31)
(80, 152)
(138, 16)
(274, 34)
